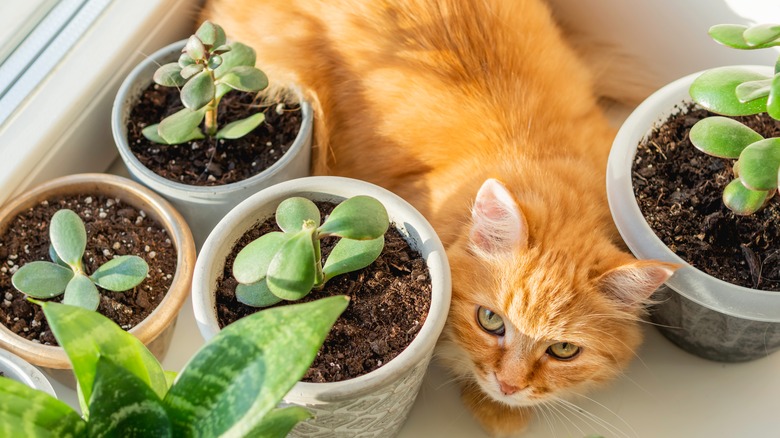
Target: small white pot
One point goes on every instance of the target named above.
(16, 368)
(201, 206)
(700, 313)
(375, 404)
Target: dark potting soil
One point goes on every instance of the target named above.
(113, 228)
(389, 301)
(679, 190)
(211, 162)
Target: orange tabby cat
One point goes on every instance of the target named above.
(478, 114)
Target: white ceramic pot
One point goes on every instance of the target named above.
(16, 368)
(375, 404)
(700, 313)
(201, 206)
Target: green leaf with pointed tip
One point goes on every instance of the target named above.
(280, 422)
(191, 70)
(359, 218)
(235, 380)
(291, 273)
(198, 91)
(122, 405)
(151, 133)
(239, 54)
(240, 128)
(68, 236)
(169, 75)
(762, 35)
(741, 200)
(251, 263)
(350, 255)
(722, 137)
(26, 412)
(211, 34)
(41, 279)
(81, 291)
(256, 294)
(85, 336)
(752, 90)
(293, 212)
(185, 60)
(121, 273)
(773, 103)
(715, 90)
(178, 127)
(759, 164)
(245, 78)
(732, 35)
(194, 48)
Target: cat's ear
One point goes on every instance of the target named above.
(632, 284)
(497, 225)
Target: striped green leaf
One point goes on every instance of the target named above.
(41, 279)
(26, 412)
(280, 422)
(121, 273)
(350, 255)
(237, 378)
(359, 217)
(251, 263)
(68, 236)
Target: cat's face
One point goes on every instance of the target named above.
(530, 323)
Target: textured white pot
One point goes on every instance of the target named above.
(700, 313)
(201, 206)
(375, 404)
(16, 368)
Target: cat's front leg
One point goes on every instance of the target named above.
(498, 419)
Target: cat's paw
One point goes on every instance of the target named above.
(497, 419)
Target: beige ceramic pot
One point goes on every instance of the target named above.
(157, 329)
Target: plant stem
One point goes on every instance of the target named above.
(210, 122)
(319, 277)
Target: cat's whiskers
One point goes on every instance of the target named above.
(565, 420)
(595, 419)
(543, 409)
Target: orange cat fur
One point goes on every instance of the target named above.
(478, 114)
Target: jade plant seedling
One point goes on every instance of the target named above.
(287, 265)
(207, 69)
(65, 273)
(735, 91)
(230, 388)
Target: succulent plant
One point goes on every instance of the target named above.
(736, 91)
(65, 273)
(287, 265)
(207, 69)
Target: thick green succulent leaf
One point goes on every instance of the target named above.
(759, 164)
(191, 70)
(280, 422)
(732, 35)
(293, 212)
(715, 90)
(185, 60)
(291, 273)
(752, 90)
(359, 218)
(256, 294)
(195, 48)
(239, 54)
(122, 405)
(211, 34)
(169, 75)
(55, 258)
(81, 292)
(68, 236)
(86, 336)
(762, 35)
(722, 137)
(151, 133)
(245, 78)
(26, 412)
(251, 263)
(773, 102)
(198, 91)
(350, 255)
(240, 128)
(215, 61)
(178, 127)
(121, 273)
(222, 90)
(41, 279)
(741, 200)
(235, 380)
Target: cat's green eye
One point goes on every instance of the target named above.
(490, 321)
(563, 350)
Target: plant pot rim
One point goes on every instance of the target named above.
(19, 369)
(400, 212)
(697, 286)
(167, 310)
(120, 138)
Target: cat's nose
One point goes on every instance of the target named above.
(508, 389)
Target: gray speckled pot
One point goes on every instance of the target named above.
(16, 368)
(702, 314)
(202, 207)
